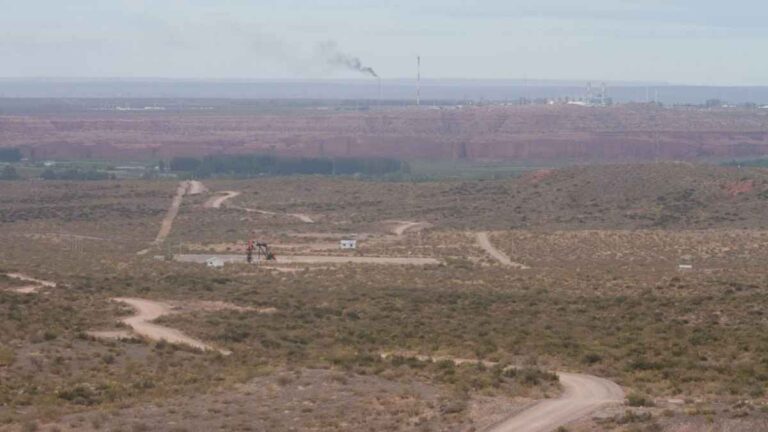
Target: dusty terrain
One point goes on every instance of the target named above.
(545, 133)
(603, 296)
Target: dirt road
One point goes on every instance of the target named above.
(314, 259)
(148, 311)
(173, 211)
(196, 188)
(583, 395)
(501, 257)
(300, 216)
(170, 216)
(403, 226)
(216, 201)
(34, 286)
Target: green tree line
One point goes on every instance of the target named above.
(10, 155)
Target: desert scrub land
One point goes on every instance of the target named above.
(603, 296)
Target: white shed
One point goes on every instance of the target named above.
(215, 262)
(348, 244)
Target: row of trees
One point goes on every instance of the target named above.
(75, 174)
(9, 172)
(255, 165)
(10, 155)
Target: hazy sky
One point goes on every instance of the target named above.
(680, 41)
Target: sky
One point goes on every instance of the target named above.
(702, 42)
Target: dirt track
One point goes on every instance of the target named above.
(167, 224)
(148, 311)
(403, 226)
(216, 201)
(503, 259)
(583, 395)
(196, 188)
(33, 287)
(315, 259)
(300, 216)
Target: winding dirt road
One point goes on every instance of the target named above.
(216, 201)
(148, 311)
(501, 257)
(584, 394)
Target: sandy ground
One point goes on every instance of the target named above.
(148, 311)
(34, 286)
(315, 259)
(584, 394)
(503, 259)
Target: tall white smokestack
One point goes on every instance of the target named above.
(418, 80)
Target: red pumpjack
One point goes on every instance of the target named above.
(262, 252)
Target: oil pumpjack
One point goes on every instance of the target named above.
(261, 249)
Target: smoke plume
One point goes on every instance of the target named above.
(335, 57)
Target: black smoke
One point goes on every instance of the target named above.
(335, 57)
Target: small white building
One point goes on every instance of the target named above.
(214, 262)
(348, 244)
